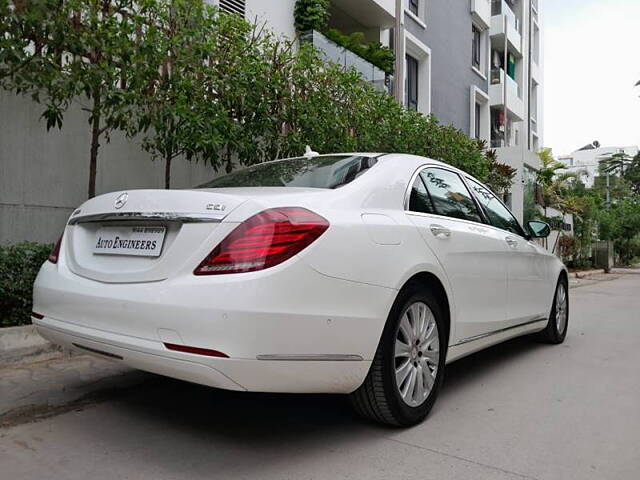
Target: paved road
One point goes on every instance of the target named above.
(519, 410)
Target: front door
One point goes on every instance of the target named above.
(526, 266)
(471, 253)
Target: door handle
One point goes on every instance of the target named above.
(512, 242)
(439, 231)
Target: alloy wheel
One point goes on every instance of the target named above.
(561, 308)
(417, 354)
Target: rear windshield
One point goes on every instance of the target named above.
(315, 172)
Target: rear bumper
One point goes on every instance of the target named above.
(291, 312)
(225, 373)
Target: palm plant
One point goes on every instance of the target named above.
(549, 168)
(615, 163)
(553, 182)
(557, 192)
(632, 174)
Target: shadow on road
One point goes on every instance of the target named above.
(257, 417)
(484, 364)
(169, 426)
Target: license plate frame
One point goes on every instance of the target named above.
(130, 240)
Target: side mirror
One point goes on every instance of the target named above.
(539, 229)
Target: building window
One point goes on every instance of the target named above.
(233, 6)
(476, 47)
(417, 75)
(414, 7)
(411, 83)
(478, 116)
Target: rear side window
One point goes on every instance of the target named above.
(331, 171)
(420, 200)
(499, 215)
(449, 195)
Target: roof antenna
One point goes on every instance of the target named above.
(308, 153)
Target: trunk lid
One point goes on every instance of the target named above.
(110, 237)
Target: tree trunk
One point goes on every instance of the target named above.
(167, 171)
(95, 142)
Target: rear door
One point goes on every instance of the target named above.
(527, 284)
(472, 254)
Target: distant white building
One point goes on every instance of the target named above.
(585, 160)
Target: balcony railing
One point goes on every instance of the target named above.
(481, 12)
(499, 7)
(507, 137)
(335, 53)
(497, 77)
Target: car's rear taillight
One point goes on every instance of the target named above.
(264, 240)
(55, 252)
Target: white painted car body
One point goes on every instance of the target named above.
(309, 324)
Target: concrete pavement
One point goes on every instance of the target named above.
(518, 410)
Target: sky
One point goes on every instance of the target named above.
(591, 64)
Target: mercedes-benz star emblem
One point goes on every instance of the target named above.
(121, 200)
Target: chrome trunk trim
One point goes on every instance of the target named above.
(158, 216)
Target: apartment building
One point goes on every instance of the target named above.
(475, 64)
(585, 161)
(485, 75)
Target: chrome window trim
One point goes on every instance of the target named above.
(435, 216)
(158, 216)
(407, 195)
(466, 178)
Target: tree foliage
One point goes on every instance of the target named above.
(85, 51)
(632, 174)
(595, 219)
(26, 28)
(374, 52)
(19, 265)
(175, 110)
(500, 176)
(212, 87)
(618, 221)
(555, 183)
(311, 15)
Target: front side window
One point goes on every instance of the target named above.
(448, 194)
(331, 171)
(411, 84)
(499, 216)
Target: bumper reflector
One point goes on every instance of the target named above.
(196, 350)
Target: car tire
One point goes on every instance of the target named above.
(379, 398)
(556, 330)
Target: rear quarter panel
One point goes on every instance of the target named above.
(347, 251)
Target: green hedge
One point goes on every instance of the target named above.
(19, 265)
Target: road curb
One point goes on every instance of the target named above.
(24, 344)
(586, 273)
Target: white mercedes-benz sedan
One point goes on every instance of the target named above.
(361, 274)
